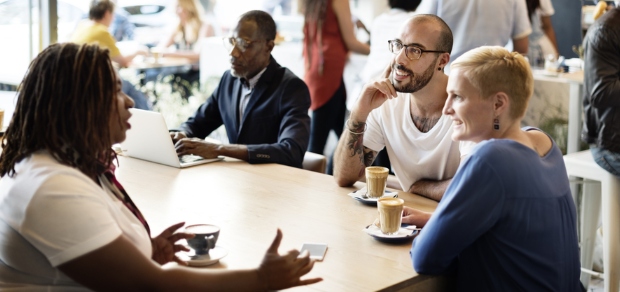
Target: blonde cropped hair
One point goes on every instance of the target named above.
(495, 69)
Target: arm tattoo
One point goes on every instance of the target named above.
(356, 139)
(369, 156)
(356, 145)
(367, 159)
(424, 124)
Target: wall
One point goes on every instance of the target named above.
(567, 24)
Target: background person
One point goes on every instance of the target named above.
(121, 28)
(601, 97)
(507, 221)
(601, 82)
(65, 221)
(101, 14)
(482, 23)
(188, 31)
(184, 42)
(328, 37)
(542, 41)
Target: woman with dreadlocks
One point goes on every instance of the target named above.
(328, 37)
(66, 223)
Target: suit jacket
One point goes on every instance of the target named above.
(275, 126)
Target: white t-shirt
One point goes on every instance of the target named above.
(414, 155)
(50, 214)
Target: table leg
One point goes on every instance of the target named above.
(574, 118)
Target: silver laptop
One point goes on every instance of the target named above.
(149, 139)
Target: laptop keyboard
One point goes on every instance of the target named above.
(189, 158)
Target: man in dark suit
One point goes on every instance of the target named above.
(263, 106)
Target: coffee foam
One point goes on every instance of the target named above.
(374, 171)
(391, 203)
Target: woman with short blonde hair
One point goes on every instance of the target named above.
(494, 70)
(507, 221)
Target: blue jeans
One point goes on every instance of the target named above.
(606, 159)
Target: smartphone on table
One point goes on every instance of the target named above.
(316, 250)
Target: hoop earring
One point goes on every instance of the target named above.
(496, 124)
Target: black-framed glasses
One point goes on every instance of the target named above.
(231, 42)
(411, 51)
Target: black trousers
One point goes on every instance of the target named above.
(328, 117)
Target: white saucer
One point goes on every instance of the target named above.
(357, 195)
(403, 233)
(214, 255)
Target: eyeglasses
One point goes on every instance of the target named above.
(412, 52)
(230, 43)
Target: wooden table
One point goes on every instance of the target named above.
(249, 202)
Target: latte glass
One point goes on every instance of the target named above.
(376, 179)
(390, 214)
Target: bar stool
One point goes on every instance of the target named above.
(581, 164)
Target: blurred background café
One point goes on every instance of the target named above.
(176, 86)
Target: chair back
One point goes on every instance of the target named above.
(314, 162)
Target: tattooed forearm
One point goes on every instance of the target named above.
(355, 144)
(356, 139)
(357, 127)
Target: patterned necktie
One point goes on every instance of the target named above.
(122, 195)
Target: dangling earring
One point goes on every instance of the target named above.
(496, 124)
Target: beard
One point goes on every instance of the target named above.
(417, 81)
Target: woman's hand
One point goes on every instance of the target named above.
(278, 272)
(164, 247)
(415, 217)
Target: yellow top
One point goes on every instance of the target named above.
(95, 33)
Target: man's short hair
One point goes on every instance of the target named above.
(98, 9)
(407, 5)
(493, 69)
(444, 43)
(264, 22)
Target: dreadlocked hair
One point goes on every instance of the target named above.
(64, 106)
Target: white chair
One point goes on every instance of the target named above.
(214, 59)
(314, 162)
(606, 189)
